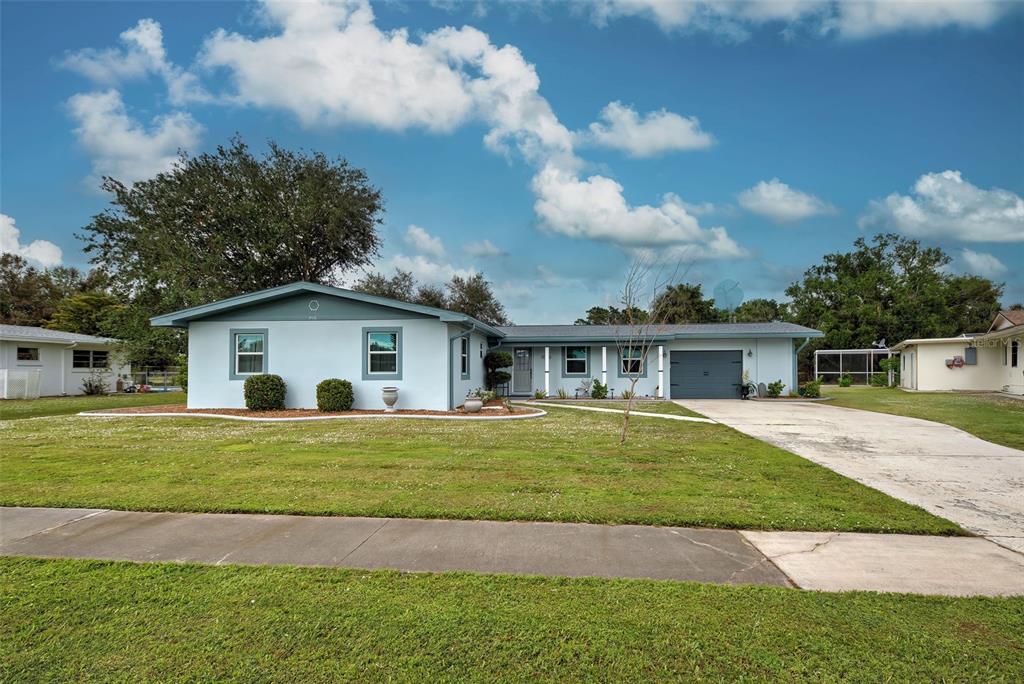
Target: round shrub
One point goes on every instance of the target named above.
(334, 395)
(264, 392)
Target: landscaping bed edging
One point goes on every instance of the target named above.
(538, 413)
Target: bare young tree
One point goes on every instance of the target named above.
(645, 315)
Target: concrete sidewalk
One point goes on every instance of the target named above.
(826, 561)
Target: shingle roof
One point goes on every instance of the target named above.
(26, 332)
(1015, 316)
(696, 330)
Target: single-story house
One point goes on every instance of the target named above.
(54, 361)
(306, 333)
(990, 361)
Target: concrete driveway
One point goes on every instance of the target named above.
(974, 483)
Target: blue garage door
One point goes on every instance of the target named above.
(705, 374)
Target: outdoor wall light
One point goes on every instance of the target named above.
(750, 352)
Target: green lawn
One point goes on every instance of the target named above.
(14, 409)
(98, 621)
(645, 406)
(566, 466)
(991, 417)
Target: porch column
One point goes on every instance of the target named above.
(547, 371)
(604, 366)
(661, 372)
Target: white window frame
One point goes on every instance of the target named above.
(261, 354)
(464, 357)
(370, 353)
(17, 354)
(91, 362)
(623, 359)
(585, 360)
(1014, 358)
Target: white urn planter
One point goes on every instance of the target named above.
(390, 396)
(473, 404)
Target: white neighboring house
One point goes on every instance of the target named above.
(990, 361)
(59, 360)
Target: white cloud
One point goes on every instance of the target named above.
(142, 54)
(547, 276)
(340, 68)
(123, 148)
(944, 205)
(41, 252)
(482, 249)
(982, 264)
(853, 19)
(424, 269)
(423, 242)
(653, 133)
(868, 19)
(595, 208)
(781, 203)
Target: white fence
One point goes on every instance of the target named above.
(20, 384)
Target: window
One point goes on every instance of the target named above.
(250, 349)
(576, 360)
(383, 352)
(1014, 353)
(464, 353)
(632, 360)
(90, 358)
(28, 353)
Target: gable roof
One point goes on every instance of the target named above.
(1012, 316)
(586, 333)
(180, 319)
(33, 334)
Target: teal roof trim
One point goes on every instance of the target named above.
(181, 319)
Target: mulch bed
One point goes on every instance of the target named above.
(490, 410)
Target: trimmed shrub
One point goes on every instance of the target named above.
(599, 390)
(265, 392)
(880, 380)
(494, 361)
(811, 389)
(845, 381)
(775, 389)
(334, 395)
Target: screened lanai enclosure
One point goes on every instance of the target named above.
(859, 364)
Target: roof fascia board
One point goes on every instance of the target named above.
(180, 319)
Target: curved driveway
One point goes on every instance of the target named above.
(976, 484)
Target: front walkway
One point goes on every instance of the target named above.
(829, 561)
(946, 471)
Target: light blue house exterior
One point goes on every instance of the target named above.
(306, 333)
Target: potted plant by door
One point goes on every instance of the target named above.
(390, 396)
(474, 402)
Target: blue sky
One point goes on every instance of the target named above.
(547, 144)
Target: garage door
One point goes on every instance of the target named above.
(705, 374)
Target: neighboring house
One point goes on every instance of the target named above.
(58, 360)
(306, 333)
(990, 361)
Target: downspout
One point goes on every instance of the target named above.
(451, 386)
(63, 368)
(796, 383)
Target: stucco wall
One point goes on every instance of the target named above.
(477, 348)
(306, 352)
(934, 376)
(50, 366)
(1010, 378)
(771, 359)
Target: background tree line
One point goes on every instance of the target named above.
(228, 222)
